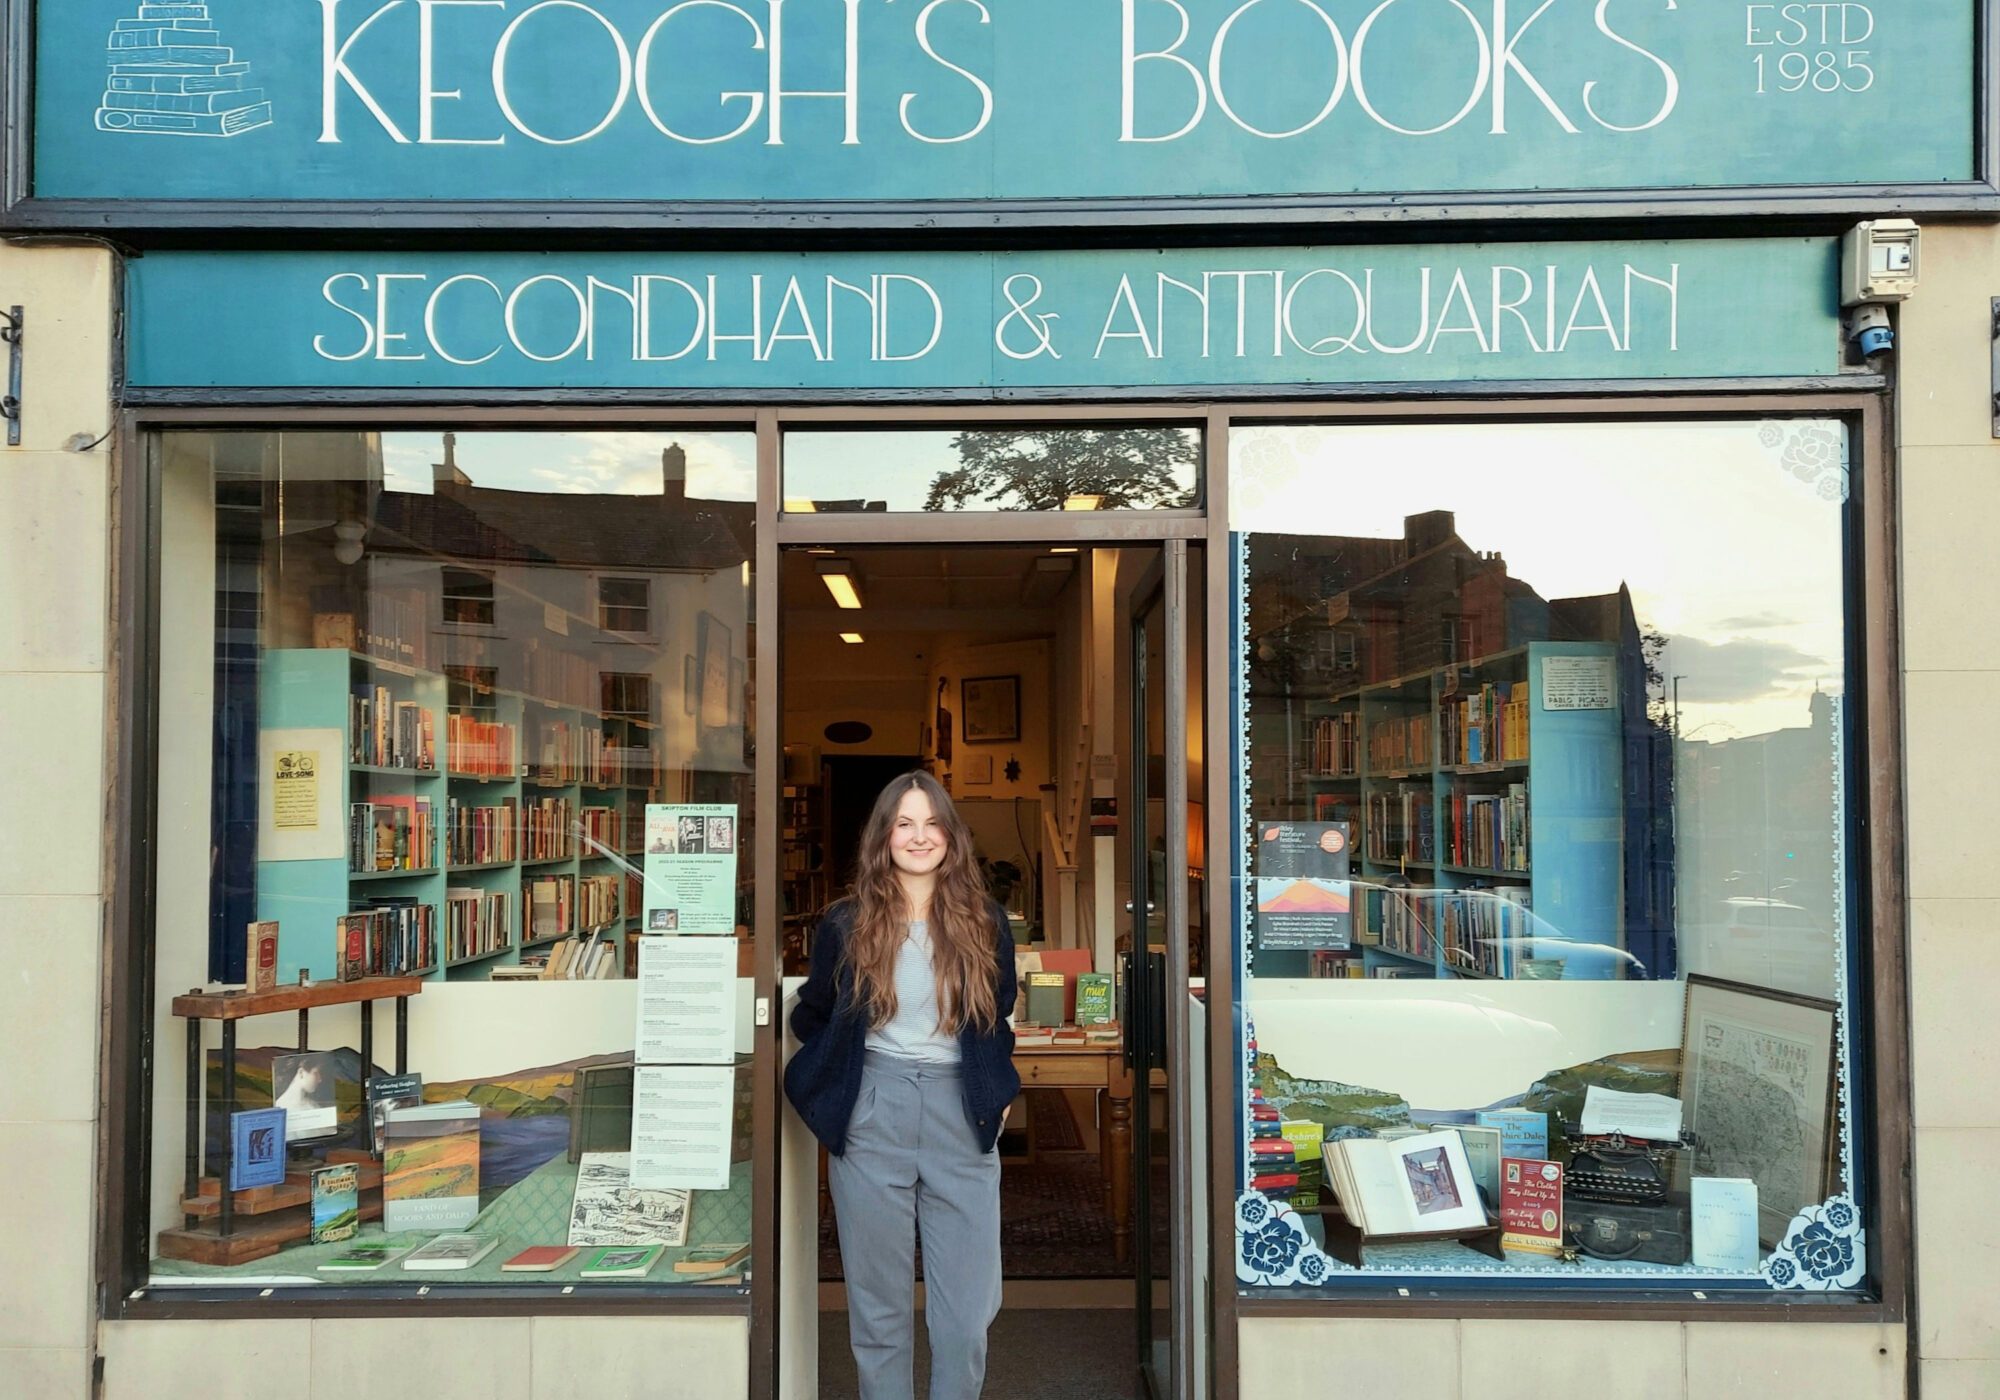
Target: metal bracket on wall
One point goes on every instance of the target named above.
(1994, 326)
(10, 404)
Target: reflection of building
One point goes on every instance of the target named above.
(1335, 617)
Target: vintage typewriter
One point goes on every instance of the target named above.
(1617, 1197)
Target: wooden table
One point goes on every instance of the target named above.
(1102, 1068)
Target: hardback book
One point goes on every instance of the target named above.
(384, 1092)
(459, 1251)
(350, 947)
(1030, 1035)
(336, 1203)
(260, 956)
(1093, 999)
(257, 1148)
(600, 1109)
(430, 1167)
(622, 1261)
(1483, 1149)
(361, 1257)
(1048, 995)
(1308, 1139)
(1419, 1185)
(540, 1259)
(609, 1210)
(1531, 1206)
(712, 1259)
(1524, 1132)
(302, 1085)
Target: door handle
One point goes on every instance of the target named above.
(1150, 906)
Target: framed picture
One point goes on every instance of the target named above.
(989, 709)
(711, 665)
(1757, 1092)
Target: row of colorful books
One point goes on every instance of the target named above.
(390, 937)
(1400, 744)
(1481, 929)
(548, 828)
(391, 833)
(1398, 825)
(1489, 830)
(384, 732)
(481, 835)
(477, 922)
(481, 748)
(1336, 745)
(1487, 725)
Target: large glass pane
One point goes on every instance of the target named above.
(470, 710)
(1543, 764)
(1032, 467)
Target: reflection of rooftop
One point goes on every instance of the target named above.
(664, 533)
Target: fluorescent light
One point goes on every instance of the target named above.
(838, 576)
(1082, 502)
(853, 639)
(1063, 549)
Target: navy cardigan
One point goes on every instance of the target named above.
(824, 1078)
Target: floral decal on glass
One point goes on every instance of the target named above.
(1813, 452)
(1824, 1249)
(1272, 1246)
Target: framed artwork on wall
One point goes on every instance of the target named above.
(990, 709)
(711, 665)
(1757, 1089)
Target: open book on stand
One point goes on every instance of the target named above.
(1418, 1185)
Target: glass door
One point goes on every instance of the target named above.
(1156, 978)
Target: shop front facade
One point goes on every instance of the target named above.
(1499, 664)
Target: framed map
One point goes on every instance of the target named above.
(1757, 1090)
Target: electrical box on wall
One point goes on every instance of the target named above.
(1878, 262)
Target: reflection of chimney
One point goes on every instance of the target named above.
(673, 472)
(446, 473)
(1429, 530)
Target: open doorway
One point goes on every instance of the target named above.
(1007, 671)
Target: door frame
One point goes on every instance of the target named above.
(778, 530)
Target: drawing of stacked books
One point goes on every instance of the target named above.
(171, 76)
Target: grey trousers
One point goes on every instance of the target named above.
(912, 1163)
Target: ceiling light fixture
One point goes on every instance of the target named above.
(1063, 549)
(1084, 502)
(800, 505)
(840, 580)
(347, 538)
(853, 639)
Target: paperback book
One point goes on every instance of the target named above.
(712, 1259)
(1531, 1206)
(383, 1093)
(257, 1140)
(540, 1259)
(622, 1261)
(361, 1257)
(430, 1167)
(609, 1210)
(459, 1251)
(336, 1203)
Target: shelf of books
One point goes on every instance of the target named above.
(478, 833)
(1486, 809)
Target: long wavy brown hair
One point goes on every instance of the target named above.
(961, 920)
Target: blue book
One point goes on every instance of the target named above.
(257, 1148)
(1523, 1132)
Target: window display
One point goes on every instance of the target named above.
(1543, 909)
(415, 679)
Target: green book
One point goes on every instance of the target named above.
(362, 1258)
(622, 1261)
(1093, 998)
(1048, 993)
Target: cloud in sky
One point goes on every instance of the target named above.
(1743, 669)
(1756, 622)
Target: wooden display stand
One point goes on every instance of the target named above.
(1344, 1240)
(277, 1215)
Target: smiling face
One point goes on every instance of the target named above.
(917, 836)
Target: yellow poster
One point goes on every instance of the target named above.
(295, 788)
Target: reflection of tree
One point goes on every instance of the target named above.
(1125, 468)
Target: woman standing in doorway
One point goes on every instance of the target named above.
(905, 1072)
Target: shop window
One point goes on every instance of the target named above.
(496, 810)
(1032, 467)
(1545, 771)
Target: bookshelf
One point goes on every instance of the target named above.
(804, 861)
(1500, 816)
(535, 810)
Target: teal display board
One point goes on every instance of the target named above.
(803, 101)
(1050, 320)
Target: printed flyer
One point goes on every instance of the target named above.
(691, 868)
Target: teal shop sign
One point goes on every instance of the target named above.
(1108, 320)
(853, 103)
